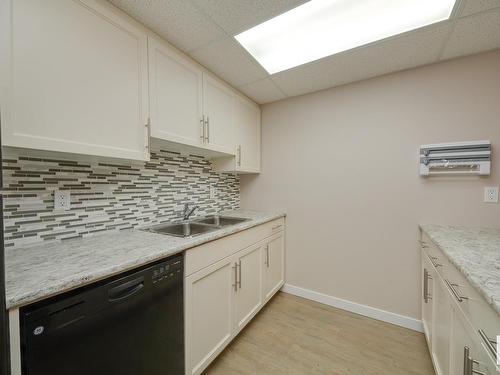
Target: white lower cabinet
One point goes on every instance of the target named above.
(464, 353)
(223, 295)
(209, 299)
(428, 277)
(274, 265)
(441, 331)
(459, 325)
(248, 286)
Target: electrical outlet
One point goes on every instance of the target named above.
(62, 199)
(491, 194)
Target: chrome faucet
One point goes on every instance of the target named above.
(188, 212)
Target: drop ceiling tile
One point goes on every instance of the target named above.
(235, 16)
(476, 6)
(473, 34)
(263, 91)
(403, 52)
(229, 60)
(178, 21)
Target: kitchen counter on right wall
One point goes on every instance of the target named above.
(475, 252)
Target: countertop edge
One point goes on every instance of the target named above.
(489, 299)
(65, 286)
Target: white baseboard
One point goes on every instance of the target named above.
(371, 312)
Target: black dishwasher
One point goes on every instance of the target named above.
(131, 324)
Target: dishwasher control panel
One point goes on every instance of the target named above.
(166, 271)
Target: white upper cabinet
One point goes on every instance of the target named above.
(78, 80)
(246, 138)
(176, 96)
(81, 76)
(189, 106)
(219, 107)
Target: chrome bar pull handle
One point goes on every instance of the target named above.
(267, 256)
(457, 295)
(239, 279)
(469, 363)
(489, 343)
(148, 134)
(235, 285)
(207, 138)
(434, 263)
(427, 277)
(202, 130)
(425, 285)
(476, 371)
(239, 155)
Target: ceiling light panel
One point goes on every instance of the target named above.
(322, 28)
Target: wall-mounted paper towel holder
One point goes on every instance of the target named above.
(456, 158)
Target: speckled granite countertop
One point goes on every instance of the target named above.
(475, 252)
(43, 270)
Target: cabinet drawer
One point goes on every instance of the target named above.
(466, 352)
(436, 257)
(482, 317)
(204, 255)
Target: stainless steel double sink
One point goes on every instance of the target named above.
(196, 227)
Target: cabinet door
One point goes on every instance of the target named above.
(175, 94)
(274, 265)
(428, 277)
(209, 299)
(441, 329)
(79, 80)
(464, 353)
(219, 107)
(248, 136)
(248, 296)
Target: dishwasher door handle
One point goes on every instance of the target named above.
(125, 290)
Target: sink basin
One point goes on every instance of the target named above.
(182, 229)
(196, 226)
(220, 221)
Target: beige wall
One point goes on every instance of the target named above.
(344, 164)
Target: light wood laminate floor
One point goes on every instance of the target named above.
(292, 335)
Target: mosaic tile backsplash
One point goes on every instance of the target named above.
(105, 194)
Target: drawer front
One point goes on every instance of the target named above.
(484, 320)
(436, 257)
(204, 255)
(274, 227)
(466, 354)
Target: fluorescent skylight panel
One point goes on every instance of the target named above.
(322, 28)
